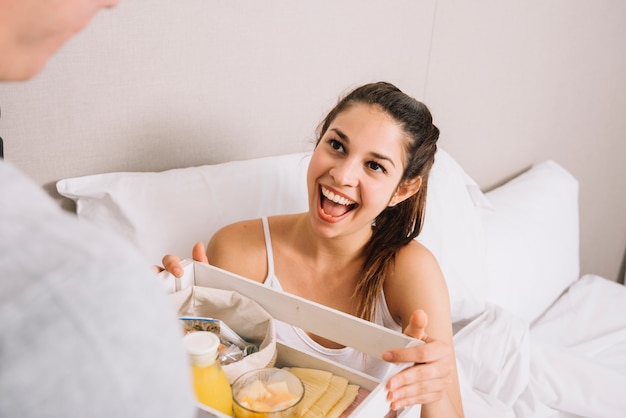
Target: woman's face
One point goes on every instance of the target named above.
(355, 170)
(32, 30)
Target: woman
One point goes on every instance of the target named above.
(354, 249)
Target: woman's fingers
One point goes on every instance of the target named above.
(416, 329)
(417, 325)
(171, 262)
(198, 253)
(430, 377)
(422, 383)
(438, 367)
(429, 352)
(424, 392)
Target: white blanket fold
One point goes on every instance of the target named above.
(571, 362)
(494, 360)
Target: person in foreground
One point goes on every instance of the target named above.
(85, 331)
(354, 250)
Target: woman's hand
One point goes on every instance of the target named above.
(171, 262)
(429, 380)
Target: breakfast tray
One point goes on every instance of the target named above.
(328, 323)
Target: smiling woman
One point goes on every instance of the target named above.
(354, 250)
(360, 154)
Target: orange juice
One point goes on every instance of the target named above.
(209, 381)
(212, 387)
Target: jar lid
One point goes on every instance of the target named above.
(202, 347)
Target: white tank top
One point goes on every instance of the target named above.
(297, 338)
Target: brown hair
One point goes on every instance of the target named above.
(397, 225)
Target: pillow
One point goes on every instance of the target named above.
(167, 212)
(532, 239)
(453, 232)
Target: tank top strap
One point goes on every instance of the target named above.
(268, 247)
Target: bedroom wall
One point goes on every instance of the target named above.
(155, 84)
(513, 83)
(152, 85)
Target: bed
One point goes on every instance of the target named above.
(533, 339)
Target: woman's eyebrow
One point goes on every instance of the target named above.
(382, 157)
(346, 139)
(340, 134)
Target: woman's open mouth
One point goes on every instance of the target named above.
(333, 204)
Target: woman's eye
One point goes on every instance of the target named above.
(373, 165)
(336, 145)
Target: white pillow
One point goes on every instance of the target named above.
(453, 232)
(167, 212)
(532, 239)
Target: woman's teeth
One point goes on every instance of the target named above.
(335, 198)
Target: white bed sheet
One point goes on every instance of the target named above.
(570, 362)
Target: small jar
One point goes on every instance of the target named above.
(209, 381)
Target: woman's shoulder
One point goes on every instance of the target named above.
(416, 266)
(416, 254)
(239, 229)
(251, 231)
(239, 248)
(417, 282)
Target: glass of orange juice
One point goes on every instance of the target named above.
(267, 393)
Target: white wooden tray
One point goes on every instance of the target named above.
(328, 323)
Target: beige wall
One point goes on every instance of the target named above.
(157, 84)
(512, 83)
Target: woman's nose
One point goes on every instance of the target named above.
(345, 172)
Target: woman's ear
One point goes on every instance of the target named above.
(405, 190)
